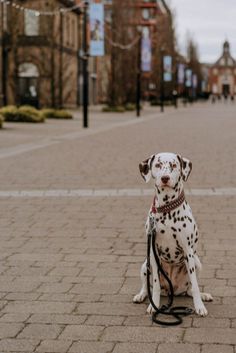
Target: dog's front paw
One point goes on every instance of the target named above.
(140, 297)
(150, 309)
(206, 297)
(201, 309)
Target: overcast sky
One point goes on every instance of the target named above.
(210, 22)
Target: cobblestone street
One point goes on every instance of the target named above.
(72, 239)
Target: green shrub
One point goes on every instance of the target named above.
(29, 114)
(130, 107)
(116, 109)
(25, 113)
(50, 113)
(9, 113)
(1, 120)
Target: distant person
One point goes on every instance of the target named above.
(232, 98)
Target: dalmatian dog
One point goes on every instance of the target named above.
(176, 232)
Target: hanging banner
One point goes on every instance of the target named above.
(181, 74)
(195, 81)
(146, 54)
(188, 82)
(96, 14)
(167, 65)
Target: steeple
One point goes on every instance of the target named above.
(226, 47)
(226, 58)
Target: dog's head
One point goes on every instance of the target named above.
(166, 168)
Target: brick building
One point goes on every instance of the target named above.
(39, 53)
(222, 74)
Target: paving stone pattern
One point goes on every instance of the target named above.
(69, 266)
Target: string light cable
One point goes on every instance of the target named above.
(39, 12)
(64, 11)
(123, 46)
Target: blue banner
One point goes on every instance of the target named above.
(146, 55)
(181, 74)
(188, 81)
(195, 81)
(167, 64)
(96, 13)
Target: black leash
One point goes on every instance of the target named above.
(176, 312)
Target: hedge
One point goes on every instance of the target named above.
(49, 113)
(116, 109)
(23, 114)
(1, 121)
(27, 113)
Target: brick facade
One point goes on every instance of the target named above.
(41, 61)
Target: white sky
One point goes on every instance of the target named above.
(210, 22)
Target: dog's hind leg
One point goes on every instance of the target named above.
(141, 296)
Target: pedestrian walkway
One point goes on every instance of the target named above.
(73, 208)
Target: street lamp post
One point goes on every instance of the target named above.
(138, 83)
(162, 85)
(85, 67)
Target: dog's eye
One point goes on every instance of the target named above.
(174, 165)
(158, 165)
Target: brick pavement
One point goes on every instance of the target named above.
(69, 266)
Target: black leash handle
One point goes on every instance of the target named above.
(175, 312)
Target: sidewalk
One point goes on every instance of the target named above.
(69, 265)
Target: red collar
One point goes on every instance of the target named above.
(171, 206)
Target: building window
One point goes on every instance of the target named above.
(28, 84)
(222, 62)
(230, 62)
(67, 30)
(31, 23)
(108, 15)
(73, 34)
(146, 14)
(5, 17)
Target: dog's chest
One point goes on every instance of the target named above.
(169, 244)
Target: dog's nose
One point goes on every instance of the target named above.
(165, 179)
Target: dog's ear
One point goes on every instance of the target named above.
(145, 168)
(186, 167)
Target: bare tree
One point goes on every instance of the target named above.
(123, 68)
